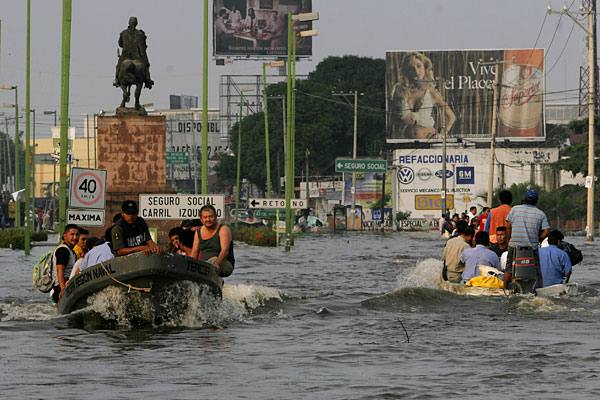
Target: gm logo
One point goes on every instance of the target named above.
(440, 173)
(465, 175)
(406, 175)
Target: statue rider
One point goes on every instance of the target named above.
(133, 42)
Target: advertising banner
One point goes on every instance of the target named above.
(419, 175)
(258, 27)
(181, 129)
(429, 93)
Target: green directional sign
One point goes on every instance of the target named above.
(177, 158)
(268, 214)
(360, 165)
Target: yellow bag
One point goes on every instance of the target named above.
(486, 282)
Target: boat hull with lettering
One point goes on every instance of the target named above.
(138, 272)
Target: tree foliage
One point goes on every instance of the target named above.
(324, 123)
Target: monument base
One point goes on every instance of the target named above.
(127, 111)
(132, 149)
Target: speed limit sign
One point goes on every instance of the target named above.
(87, 188)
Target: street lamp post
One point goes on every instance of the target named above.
(205, 102)
(291, 110)
(53, 192)
(28, 219)
(64, 108)
(239, 160)
(17, 151)
(266, 113)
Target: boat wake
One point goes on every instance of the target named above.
(183, 304)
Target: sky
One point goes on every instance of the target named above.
(347, 27)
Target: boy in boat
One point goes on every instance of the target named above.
(130, 234)
(554, 262)
(63, 260)
(215, 242)
(80, 248)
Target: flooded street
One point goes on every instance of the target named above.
(340, 317)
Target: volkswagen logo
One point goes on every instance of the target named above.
(406, 175)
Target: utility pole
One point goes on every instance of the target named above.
(490, 185)
(204, 153)
(28, 219)
(354, 144)
(591, 109)
(591, 41)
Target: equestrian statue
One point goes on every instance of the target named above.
(133, 67)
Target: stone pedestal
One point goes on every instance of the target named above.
(132, 149)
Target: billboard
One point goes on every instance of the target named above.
(419, 175)
(258, 27)
(182, 131)
(429, 92)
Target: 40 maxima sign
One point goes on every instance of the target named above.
(87, 188)
(85, 217)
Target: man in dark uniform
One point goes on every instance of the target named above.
(130, 234)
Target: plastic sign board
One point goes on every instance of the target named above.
(178, 206)
(360, 165)
(87, 188)
(276, 203)
(85, 217)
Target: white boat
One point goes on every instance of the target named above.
(563, 289)
(138, 272)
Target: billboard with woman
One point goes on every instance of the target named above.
(430, 93)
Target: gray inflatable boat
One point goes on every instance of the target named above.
(138, 272)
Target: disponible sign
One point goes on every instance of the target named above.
(178, 206)
(360, 165)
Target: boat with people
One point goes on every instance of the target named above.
(139, 272)
(559, 290)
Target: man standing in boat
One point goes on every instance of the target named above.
(130, 234)
(215, 242)
(529, 227)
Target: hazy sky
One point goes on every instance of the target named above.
(174, 30)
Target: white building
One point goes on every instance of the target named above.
(418, 176)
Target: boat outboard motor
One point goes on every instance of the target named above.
(525, 270)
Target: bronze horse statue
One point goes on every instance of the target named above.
(133, 72)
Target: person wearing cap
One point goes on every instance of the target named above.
(529, 226)
(130, 234)
(555, 263)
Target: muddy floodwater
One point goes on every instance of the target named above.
(340, 317)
